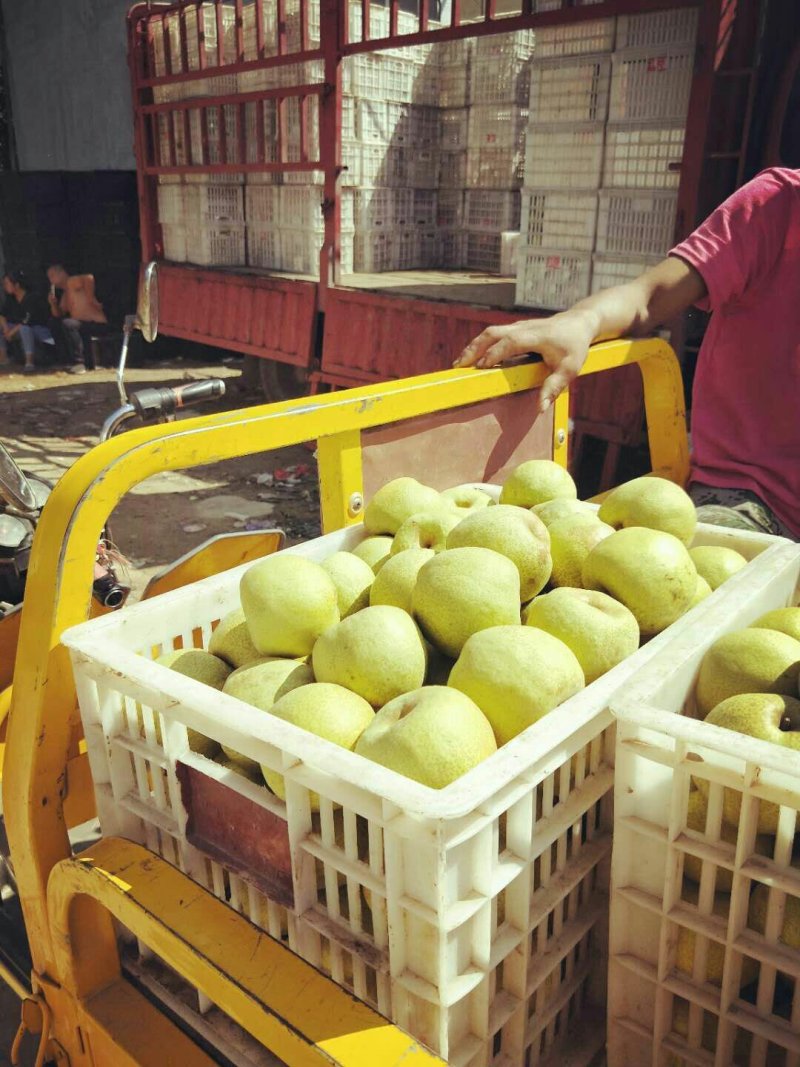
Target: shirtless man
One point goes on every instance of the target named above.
(78, 308)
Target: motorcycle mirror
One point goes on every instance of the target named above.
(147, 304)
(15, 488)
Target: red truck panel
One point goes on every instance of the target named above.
(269, 317)
(372, 337)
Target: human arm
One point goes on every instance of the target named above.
(563, 340)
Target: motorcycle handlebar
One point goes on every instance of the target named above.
(150, 403)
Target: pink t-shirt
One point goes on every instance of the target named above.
(746, 403)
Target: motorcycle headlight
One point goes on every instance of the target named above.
(13, 532)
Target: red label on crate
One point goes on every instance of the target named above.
(553, 262)
(657, 63)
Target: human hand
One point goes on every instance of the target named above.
(562, 341)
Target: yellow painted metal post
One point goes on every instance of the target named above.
(341, 480)
(561, 429)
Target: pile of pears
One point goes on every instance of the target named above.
(460, 619)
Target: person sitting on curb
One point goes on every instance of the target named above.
(80, 311)
(743, 265)
(24, 317)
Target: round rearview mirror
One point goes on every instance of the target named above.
(15, 488)
(147, 305)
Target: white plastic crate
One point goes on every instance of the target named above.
(552, 280)
(643, 156)
(660, 29)
(564, 156)
(492, 253)
(170, 204)
(263, 246)
(660, 1013)
(424, 207)
(263, 205)
(575, 39)
(421, 167)
(608, 271)
(570, 89)
(374, 251)
(496, 126)
(380, 164)
(451, 248)
(499, 80)
(491, 210)
(450, 208)
(651, 85)
(453, 128)
(554, 219)
(381, 207)
(213, 203)
(494, 168)
(473, 916)
(216, 243)
(174, 238)
(426, 84)
(301, 208)
(300, 250)
(452, 170)
(373, 120)
(638, 223)
(454, 85)
(406, 248)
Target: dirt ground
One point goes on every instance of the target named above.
(48, 420)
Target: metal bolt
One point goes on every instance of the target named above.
(355, 504)
(561, 437)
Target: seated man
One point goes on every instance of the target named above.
(24, 317)
(80, 311)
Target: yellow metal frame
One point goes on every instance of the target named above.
(44, 726)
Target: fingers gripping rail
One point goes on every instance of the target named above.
(299, 1013)
(41, 736)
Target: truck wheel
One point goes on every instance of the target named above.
(282, 381)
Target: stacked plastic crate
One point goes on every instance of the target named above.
(570, 87)
(651, 79)
(499, 78)
(202, 218)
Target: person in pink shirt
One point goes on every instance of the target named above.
(743, 265)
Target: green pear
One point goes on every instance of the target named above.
(462, 591)
(649, 571)
(432, 735)
(747, 661)
(513, 532)
(327, 710)
(516, 674)
(599, 630)
(716, 564)
(352, 578)
(536, 481)
(374, 551)
(696, 814)
(231, 640)
(653, 502)
(715, 953)
(572, 538)
(261, 683)
(427, 529)
(786, 620)
(467, 498)
(561, 508)
(397, 578)
(378, 653)
(288, 601)
(768, 717)
(396, 501)
(205, 668)
(702, 590)
(759, 910)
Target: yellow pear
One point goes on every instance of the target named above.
(374, 551)
(572, 538)
(395, 583)
(427, 529)
(715, 955)
(647, 570)
(205, 668)
(747, 661)
(288, 602)
(702, 590)
(653, 502)
(696, 814)
(396, 501)
(785, 620)
(536, 481)
(352, 577)
(514, 532)
(231, 640)
(516, 674)
(467, 498)
(561, 508)
(716, 564)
